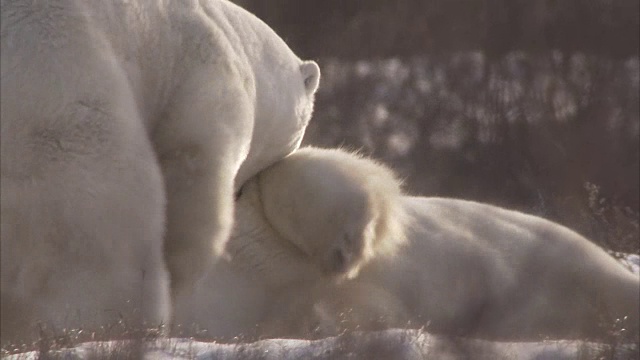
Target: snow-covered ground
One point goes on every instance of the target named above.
(390, 344)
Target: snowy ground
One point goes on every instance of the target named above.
(390, 344)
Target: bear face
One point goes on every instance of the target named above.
(339, 236)
(156, 110)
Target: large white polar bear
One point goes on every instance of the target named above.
(465, 268)
(123, 123)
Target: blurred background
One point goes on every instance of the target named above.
(528, 104)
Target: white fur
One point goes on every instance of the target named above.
(262, 259)
(258, 248)
(225, 304)
(325, 308)
(123, 123)
(235, 294)
(466, 268)
(299, 197)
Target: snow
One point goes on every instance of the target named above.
(390, 344)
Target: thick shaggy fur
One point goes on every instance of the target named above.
(225, 304)
(235, 294)
(465, 268)
(263, 260)
(125, 123)
(300, 200)
(326, 308)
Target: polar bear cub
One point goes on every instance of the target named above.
(126, 127)
(465, 268)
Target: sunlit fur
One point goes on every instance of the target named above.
(303, 198)
(126, 128)
(261, 263)
(459, 267)
(324, 308)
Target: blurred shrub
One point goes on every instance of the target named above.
(549, 134)
(359, 29)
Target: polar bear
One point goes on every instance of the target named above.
(126, 127)
(263, 262)
(465, 268)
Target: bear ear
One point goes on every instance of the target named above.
(311, 75)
